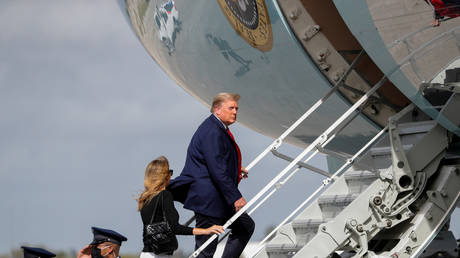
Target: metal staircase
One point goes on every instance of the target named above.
(300, 237)
(393, 208)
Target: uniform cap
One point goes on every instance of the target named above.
(34, 252)
(106, 235)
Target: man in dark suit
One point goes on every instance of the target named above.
(208, 184)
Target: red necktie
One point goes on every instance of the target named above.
(240, 175)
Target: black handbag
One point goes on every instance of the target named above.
(159, 235)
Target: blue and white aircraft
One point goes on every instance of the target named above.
(384, 61)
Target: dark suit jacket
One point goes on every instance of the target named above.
(208, 183)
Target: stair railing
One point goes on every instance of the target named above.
(325, 183)
(412, 52)
(315, 152)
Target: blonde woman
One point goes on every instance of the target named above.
(157, 177)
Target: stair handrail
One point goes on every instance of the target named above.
(301, 163)
(423, 47)
(404, 38)
(288, 177)
(317, 149)
(318, 141)
(413, 51)
(326, 182)
(285, 180)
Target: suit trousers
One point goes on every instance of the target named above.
(242, 230)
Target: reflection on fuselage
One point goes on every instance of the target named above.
(227, 52)
(168, 24)
(445, 9)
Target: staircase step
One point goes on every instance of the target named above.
(386, 150)
(331, 205)
(405, 130)
(416, 127)
(282, 250)
(358, 181)
(359, 175)
(335, 200)
(307, 224)
(306, 229)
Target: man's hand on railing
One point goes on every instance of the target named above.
(239, 204)
(245, 172)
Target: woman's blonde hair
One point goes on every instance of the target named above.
(155, 179)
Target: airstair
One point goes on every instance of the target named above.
(390, 199)
(363, 212)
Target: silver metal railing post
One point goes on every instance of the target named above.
(316, 151)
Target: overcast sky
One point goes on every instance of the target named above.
(83, 109)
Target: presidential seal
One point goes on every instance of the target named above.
(249, 18)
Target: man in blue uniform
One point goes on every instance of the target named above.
(35, 252)
(208, 184)
(106, 243)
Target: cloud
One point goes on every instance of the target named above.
(61, 20)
